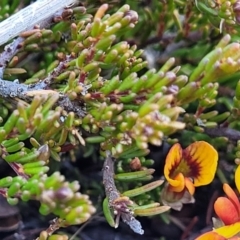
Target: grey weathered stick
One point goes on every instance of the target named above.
(108, 179)
(28, 17)
(25, 92)
(14, 89)
(132, 222)
(9, 51)
(231, 134)
(116, 202)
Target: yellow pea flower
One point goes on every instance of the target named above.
(186, 169)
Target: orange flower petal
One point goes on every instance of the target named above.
(181, 183)
(228, 231)
(232, 196)
(173, 158)
(210, 236)
(202, 159)
(189, 185)
(226, 210)
(237, 178)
